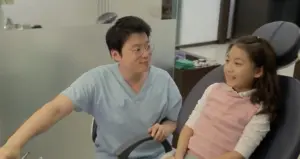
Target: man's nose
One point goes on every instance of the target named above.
(146, 53)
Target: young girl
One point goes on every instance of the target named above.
(232, 118)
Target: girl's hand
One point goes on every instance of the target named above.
(178, 157)
(169, 157)
(231, 155)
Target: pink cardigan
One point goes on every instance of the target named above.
(221, 122)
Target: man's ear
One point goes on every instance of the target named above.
(115, 55)
(258, 72)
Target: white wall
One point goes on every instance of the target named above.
(35, 65)
(62, 13)
(199, 21)
(148, 9)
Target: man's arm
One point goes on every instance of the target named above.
(79, 96)
(174, 106)
(160, 131)
(41, 121)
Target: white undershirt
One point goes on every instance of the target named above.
(254, 132)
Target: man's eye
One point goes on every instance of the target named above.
(136, 50)
(238, 64)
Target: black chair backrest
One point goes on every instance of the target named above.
(283, 141)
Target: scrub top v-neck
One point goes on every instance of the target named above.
(126, 87)
(122, 114)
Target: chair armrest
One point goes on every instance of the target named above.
(94, 130)
(124, 151)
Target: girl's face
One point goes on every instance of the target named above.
(239, 70)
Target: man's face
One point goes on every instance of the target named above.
(136, 53)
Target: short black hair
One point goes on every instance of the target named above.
(117, 35)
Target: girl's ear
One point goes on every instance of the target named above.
(258, 72)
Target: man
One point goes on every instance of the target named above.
(127, 99)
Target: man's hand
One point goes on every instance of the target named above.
(9, 153)
(160, 131)
(172, 157)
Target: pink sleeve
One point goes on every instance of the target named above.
(197, 110)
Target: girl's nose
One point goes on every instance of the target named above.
(228, 68)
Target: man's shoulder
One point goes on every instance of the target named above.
(160, 73)
(100, 72)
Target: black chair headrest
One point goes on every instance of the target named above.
(285, 39)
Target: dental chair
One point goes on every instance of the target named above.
(283, 141)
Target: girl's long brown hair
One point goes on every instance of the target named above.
(263, 56)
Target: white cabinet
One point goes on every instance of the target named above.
(62, 13)
(4, 2)
(53, 13)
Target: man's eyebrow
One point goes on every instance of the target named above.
(138, 45)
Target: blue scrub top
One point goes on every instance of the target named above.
(120, 113)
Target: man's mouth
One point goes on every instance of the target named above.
(144, 63)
